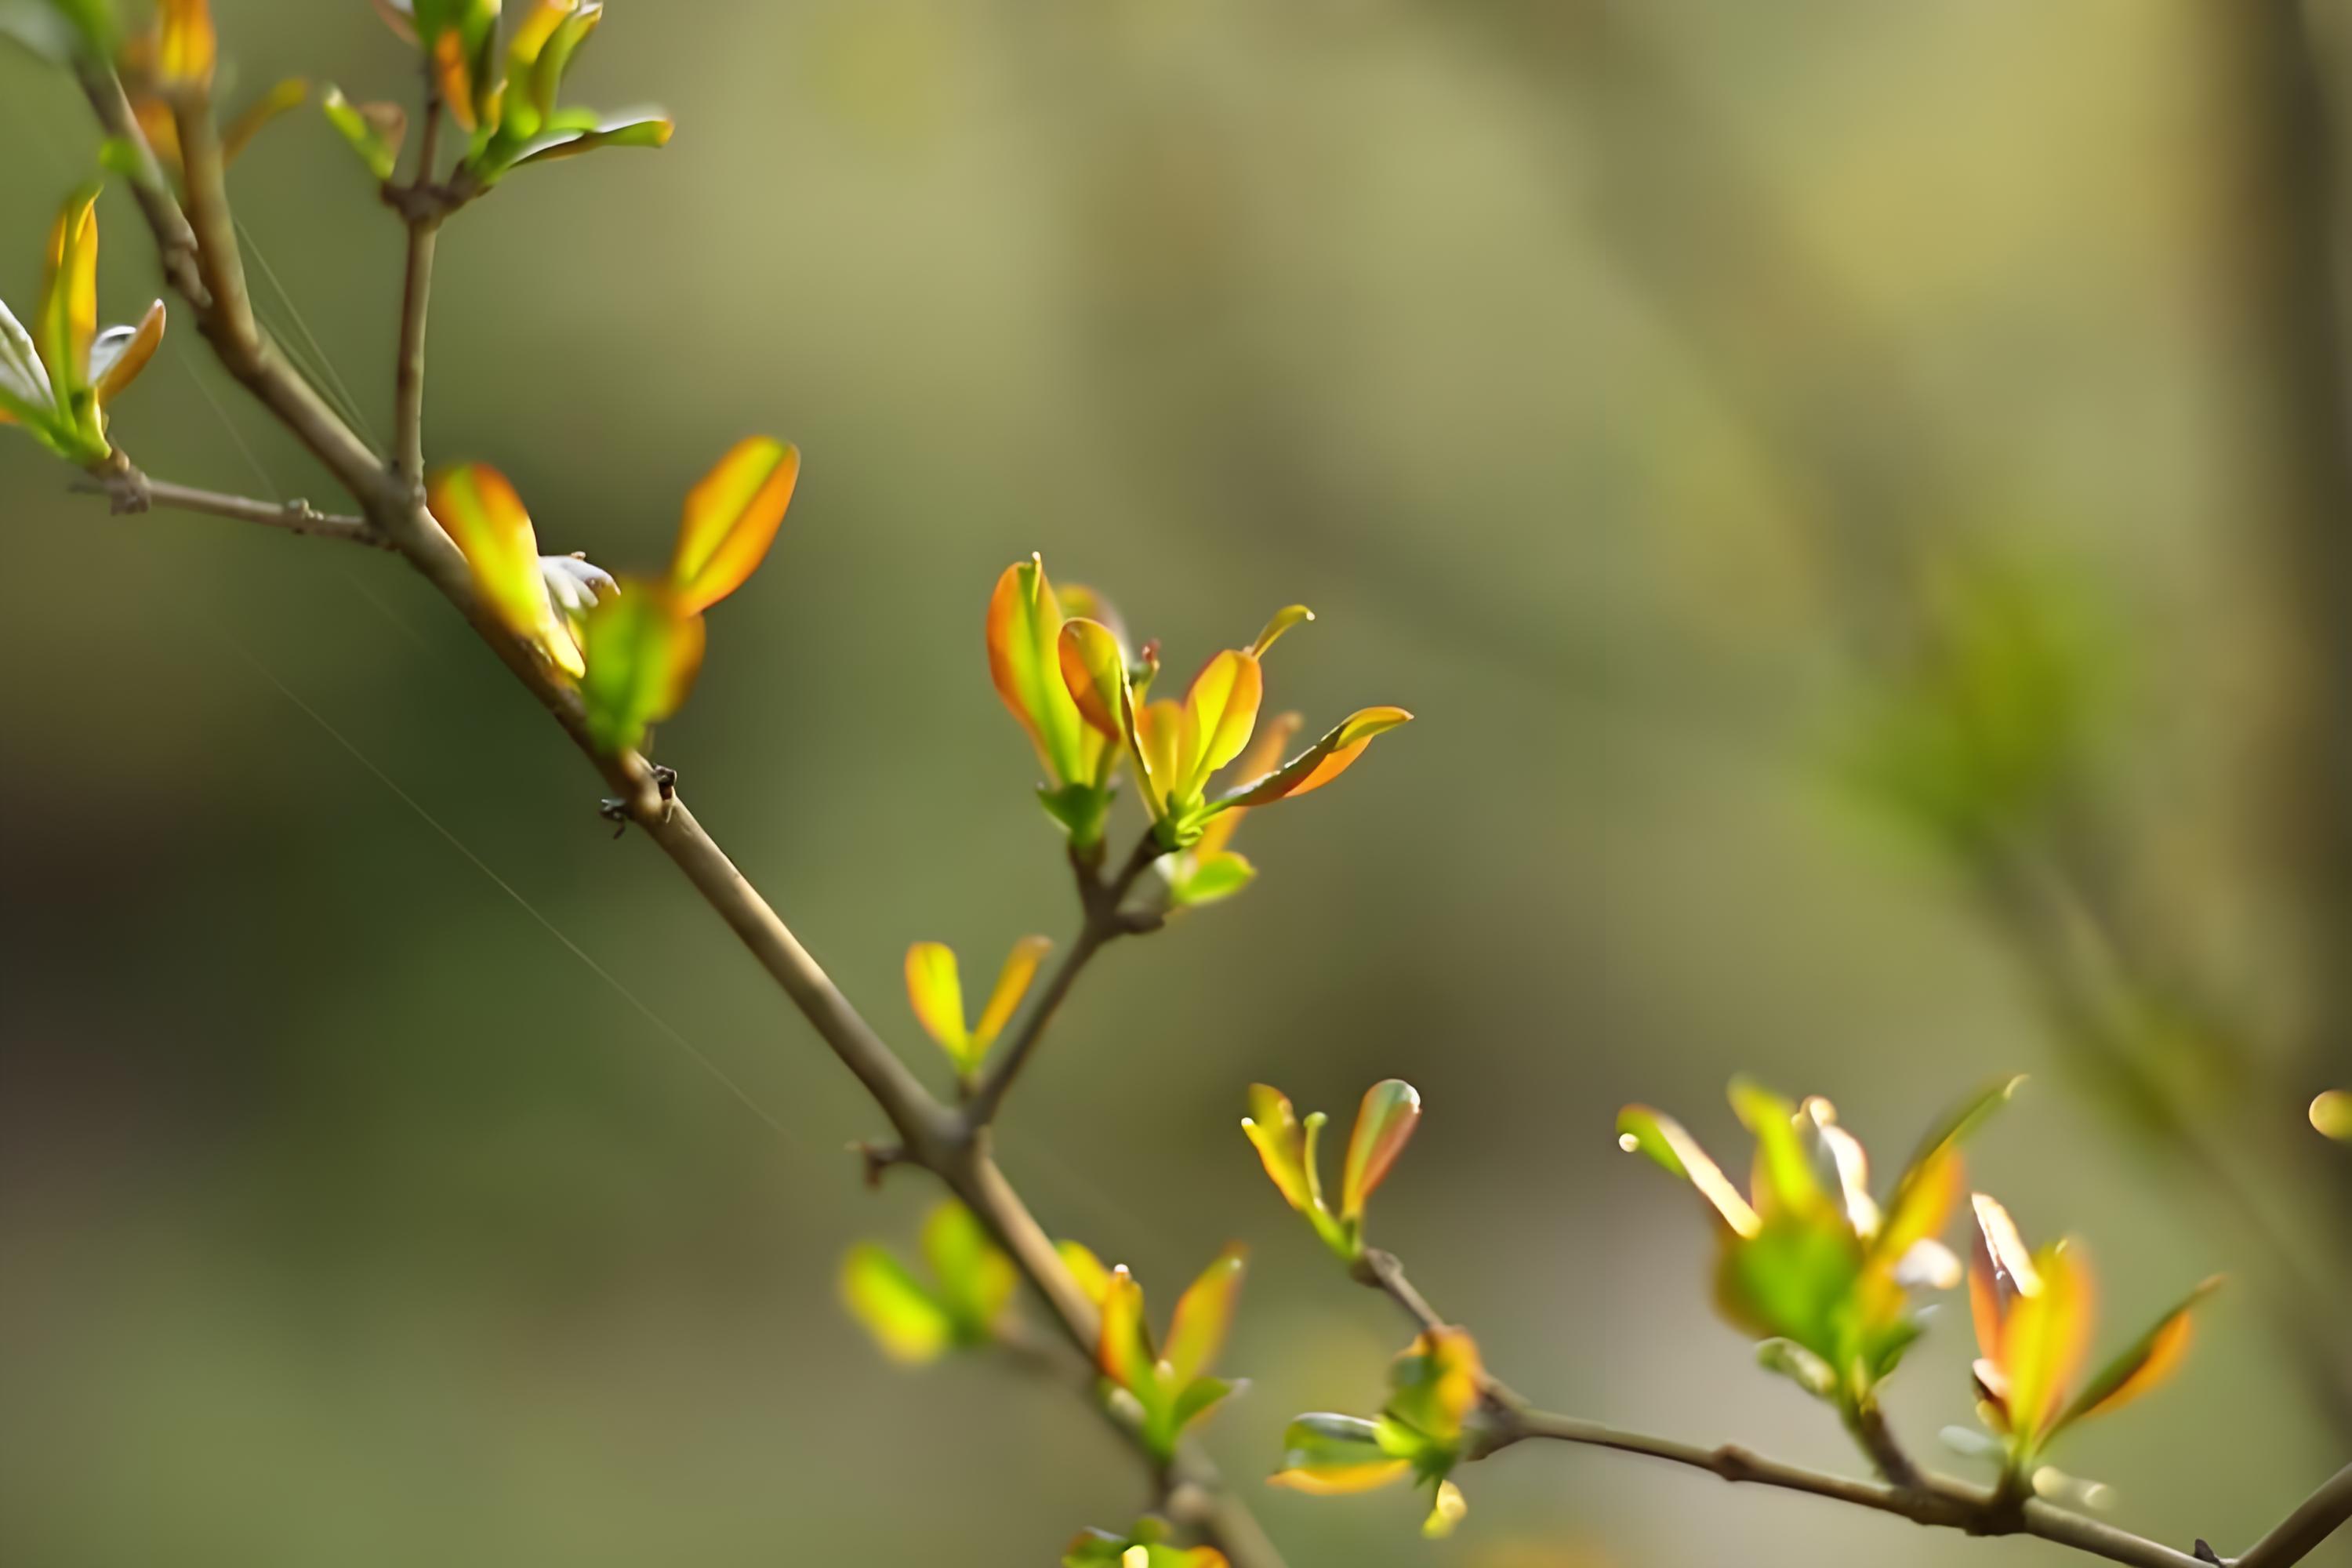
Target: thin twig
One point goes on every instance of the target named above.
(131, 492)
(1924, 1499)
(175, 242)
(1105, 920)
(2321, 1515)
(416, 292)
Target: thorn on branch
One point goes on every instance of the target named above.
(2205, 1553)
(616, 811)
(878, 1158)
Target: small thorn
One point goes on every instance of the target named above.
(2205, 1553)
(878, 1158)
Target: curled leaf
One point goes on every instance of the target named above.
(1024, 634)
(1662, 1139)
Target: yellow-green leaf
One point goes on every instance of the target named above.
(1220, 712)
(901, 1315)
(487, 520)
(1322, 763)
(1390, 1111)
(975, 1279)
(1329, 1456)
(1284, 619)
(1011, 985)
(1273, 1129)
(374, 130)
(731, 520)
(1094, 671)
(644, 651)
(1124, 1350)
(186, 46)
(1024, 627)
(935, 990)
(1093, 1278)
(1662, 1139)
(1203, 1315)
(2044, 1340)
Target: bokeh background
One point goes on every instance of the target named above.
(1856, 494)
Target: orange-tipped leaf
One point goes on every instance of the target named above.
(730, 518)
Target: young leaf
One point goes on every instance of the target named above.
(1662, 1138)
(1284, 619)
(643, 652)
(2042, 1341)
(1011, 985)
(1206, 879)
(731, 520)
(1094, 671)
(1329, 1456)
(904, 1319)
(2149, 1360)
(1025, 626)
(935, 990)
(1322, 763)
(186, 46)
(1124, 1350)
(486, 519)
(1093, 1278)
(1273, 1129)
(1220, 712)
(1390, 1111)
(1203, 1314)
(374, 130)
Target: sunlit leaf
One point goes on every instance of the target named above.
(1209, 877)
(1793, 1280)
(1784, 1181)
(1024, 625)
(1446, 1510)
(1263, 757)
(1220, 712)
(902, 1316)
(1931, 1182)
(1662, 1139)
(2001, 1269)
(1327, 1455)
(935, 990)
(1203, 1314)
(1384, 1121)
(1274, 1130)
(640, 129)
(186, 46)
(2043, 1339)
(1011, 985)
(1284, 619)
(2148, 1362)
(1094, 671)
(69, 315)
(1124, 1350)
(373, 130)
(1322, 763)
(1093, 1278)
(644, 650)
(483, 515)
(730, 518)
(1434, 1384)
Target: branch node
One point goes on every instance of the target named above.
(880, 1158)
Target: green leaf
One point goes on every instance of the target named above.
(976, 1280)
(903, 1317)
(1205, 878)
(1800, 1366)
(642, 655)
(373, 130)
(1794, 1279)
(1328, 1455)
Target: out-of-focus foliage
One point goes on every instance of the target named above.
(1995, 711)
(1384, 1121)
(478, 507)
(57, 379)
(375, 131)
(1810, 1261)
(963, 1305)
(643, 649)
(1422, 1432)
(1168, 1388)
(1146, 1546)
(2034, 1315)
(935, 990)
(2331, 1113)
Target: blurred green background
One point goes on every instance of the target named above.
(1673, 403)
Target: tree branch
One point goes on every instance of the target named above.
(416, 290)
(175, 242)
(1106, 920)
(2321, 1515)
(131, 492)
(1924, 1499)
